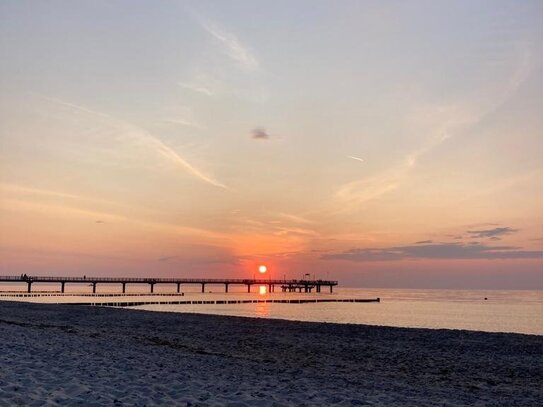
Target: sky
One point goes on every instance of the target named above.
(378, 143)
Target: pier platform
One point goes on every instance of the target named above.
(286, 285)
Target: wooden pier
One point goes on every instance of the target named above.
(286, 285)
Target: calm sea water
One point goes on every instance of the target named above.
(503, 311)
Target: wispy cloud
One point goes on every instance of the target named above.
(527, 178)
(355, 158)
(364, 190)
(21, 190)
(282, 231)
(183, 116)
(201, 260)
(231, 45)
(202, 83)
(65, 210)
(450, 251)
(295, 218)
(131, 132)
(172, 155)
(21, 205)
(183, 122)
(449, 120)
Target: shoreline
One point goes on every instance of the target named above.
(96, 355)
(500, 314)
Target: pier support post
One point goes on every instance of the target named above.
(248, 288)
(203, 288)
(269, 288)
(178, 288)
(226, 287)
(94, 288)
(152, 287)
(62, 286)
(124, 288)
(330, 288)
(29, 286)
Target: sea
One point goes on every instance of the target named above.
(519, 311)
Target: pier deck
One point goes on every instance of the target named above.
(286, 285)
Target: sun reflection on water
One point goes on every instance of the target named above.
(262, 309)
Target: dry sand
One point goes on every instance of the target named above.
(74, 355)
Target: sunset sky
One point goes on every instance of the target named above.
(380, 143)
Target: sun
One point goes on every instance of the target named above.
(262, 269)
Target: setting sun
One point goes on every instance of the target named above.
(262, 269)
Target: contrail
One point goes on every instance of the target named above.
(355, 158)
(143, 136)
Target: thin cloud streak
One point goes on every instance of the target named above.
(143, 136)
(20, 189)
(355, 158)
(196, 88)
(184, 122)
(19, 205)
(202, 83)
(457, 117)
(231, 45)
(295, 218)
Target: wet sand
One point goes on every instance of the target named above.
(75, 355)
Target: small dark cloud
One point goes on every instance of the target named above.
(455, 237)
(100, 221)
(260, 134)
(495, 238)
(482, 225)
(491, 232)
(424, 242)
(474, 250)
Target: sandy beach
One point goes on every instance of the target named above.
(74, 355)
